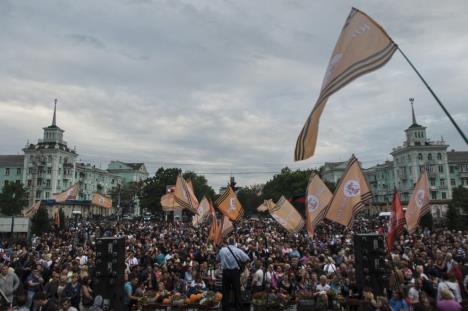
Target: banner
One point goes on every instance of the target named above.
(184, 195)
(350, 195)
(396, 222)
(229, 205)
(101, 200)
(30, 212)
(213, 233)
(363, 46)
(225, 227)
(418, 205)
(68, 194)
(202, 213)
(318, 197)
(287, 216)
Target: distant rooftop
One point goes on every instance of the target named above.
(457, 156)
(11, 160)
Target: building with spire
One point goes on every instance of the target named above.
(446, 169)
(51, 166)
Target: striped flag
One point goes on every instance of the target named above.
(225, 228)
(229, 205)
(397, 221)
(202, 212)
(418, 205)
(68, 194)
(31, 211)
(101, 200)
(266, 206)
(213, 233)
(363, 46)
(287, 216)
(184, 195)
(57, 218)
(317, 199)
(350, 195)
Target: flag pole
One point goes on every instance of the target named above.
(435, 96)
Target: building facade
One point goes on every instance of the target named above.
(50, 166)
(446, 170)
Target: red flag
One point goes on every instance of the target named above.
(397, 221)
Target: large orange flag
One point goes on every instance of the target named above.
(101, 200)
(203, 212)
(185, 196)
(68, 194)
(225, 227)
(229, 205)
(397, 221)
(318, 198)
(418, 205)
(363, 46)
(213, 233)
(350, 194)
(286, 215)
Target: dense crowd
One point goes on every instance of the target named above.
(56, 271)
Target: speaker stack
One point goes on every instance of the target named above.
(369, 256)
(110, 268)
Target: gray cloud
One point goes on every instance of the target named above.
(221, 86)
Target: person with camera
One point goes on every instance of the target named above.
(233, 260)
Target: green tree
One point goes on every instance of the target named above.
(40, 222)
(250, 198)
(457, 208)
(288, 183)
(128, 192)
(154, 188)
(63, 223)
(13, 199)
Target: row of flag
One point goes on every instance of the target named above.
(71, 193)
(351, 195)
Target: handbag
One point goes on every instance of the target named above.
(240, 265)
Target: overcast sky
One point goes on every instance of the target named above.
(222, 86)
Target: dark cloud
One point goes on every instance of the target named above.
(221, 86)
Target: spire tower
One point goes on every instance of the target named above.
(412, 110)
(54, 119)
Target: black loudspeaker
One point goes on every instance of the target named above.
(369, 257)
(110, 269)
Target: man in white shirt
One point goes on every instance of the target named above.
(323, 286)
(257, 278)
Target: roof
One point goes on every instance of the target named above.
(11, 160)
(332, 165)
(457, 156)
(135, 166)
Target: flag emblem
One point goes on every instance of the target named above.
(312, 203)
(351, 188)
(232, 204)
(420, 198)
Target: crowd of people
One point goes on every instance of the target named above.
(56, 271)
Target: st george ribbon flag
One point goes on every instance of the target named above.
(286, 215)
(363, 46)
(350, 195)
(397, 221)
(101, 200)
(418, 205)
(185, 196)
(229, 205)
(224, 228)
(317, 199)
(203, 212)
(213, 233)
(68, 194)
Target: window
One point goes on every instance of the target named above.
(7, 171)
(442, 182)
(38, 193)
(452, 169)
(60, 171)
(49, 170)
(47, 194)
(432, 182)
(420, 157)
(58, 183)
(18, 171)
(29, 182)
(30, 170)
(48, 183)
(444, 195)
(441, 168)
(6, 183)
(452, 182)
(429, 156)
(439, 156)
(433, 195)
(49, 159)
